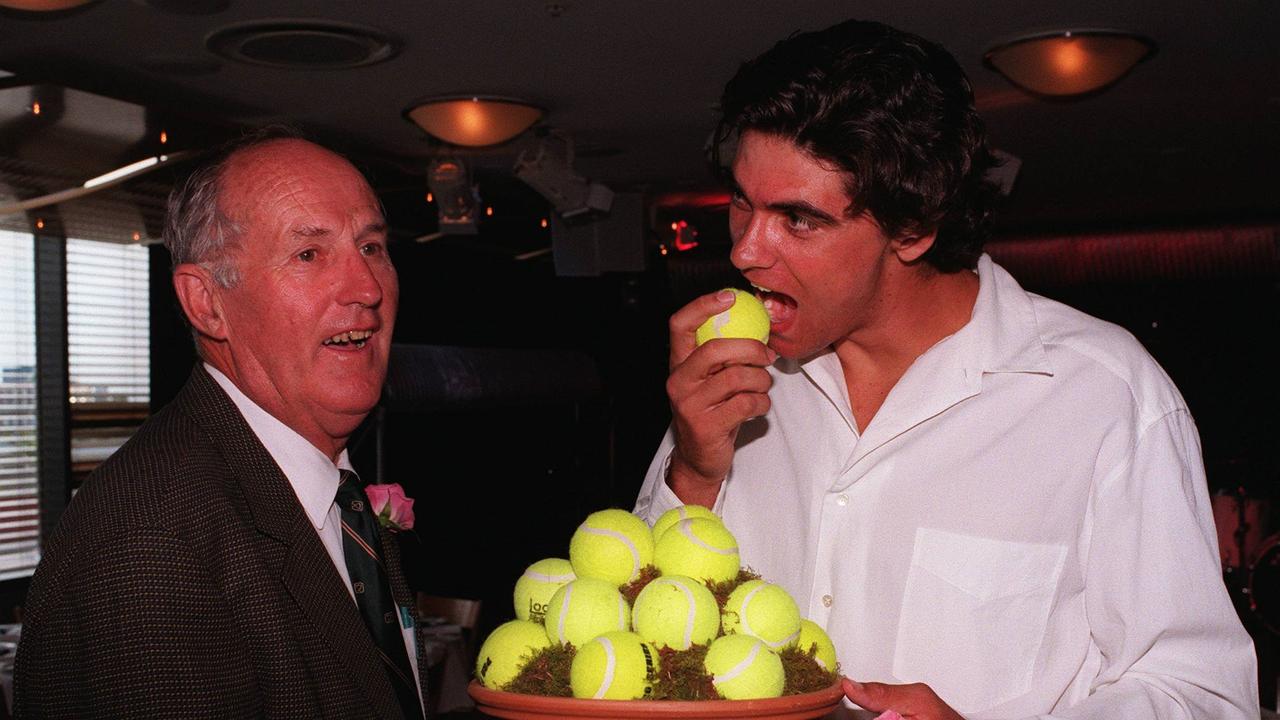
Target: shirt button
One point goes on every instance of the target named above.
(357, 506)
(358, 587)
(842, 500)
(388, 617)
(826, 601)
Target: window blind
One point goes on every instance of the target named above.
(19, 461)
(108, 348)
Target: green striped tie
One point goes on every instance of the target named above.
(361, 548)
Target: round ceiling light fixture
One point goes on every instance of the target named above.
(474, 120)
(1069, 62)
(302, 45)
(43, 5)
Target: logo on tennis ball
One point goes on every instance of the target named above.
(537, 611)
(746, 318)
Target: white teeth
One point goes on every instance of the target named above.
(356, 336)
(761, 288)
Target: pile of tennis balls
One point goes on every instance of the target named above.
(578, 604)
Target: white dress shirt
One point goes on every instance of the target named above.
(315, 479)
(1024, 525)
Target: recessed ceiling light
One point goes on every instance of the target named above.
(302, 45)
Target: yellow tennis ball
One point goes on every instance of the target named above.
(539, 582)
(676, 612)
(614, 666)
(699, 548)
(585, 608)
(762, 610)
(743, 668)
(814, 638)
(506, 650)
(745, 318)
(611, 545)
(669, 518)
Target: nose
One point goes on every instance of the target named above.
(359, 282)
(748, 232)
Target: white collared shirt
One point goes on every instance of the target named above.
(314, 478)
(1024, 525)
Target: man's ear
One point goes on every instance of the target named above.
(910, 248)
(199, 295)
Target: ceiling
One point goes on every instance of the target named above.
(1192, 136)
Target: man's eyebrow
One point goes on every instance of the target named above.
(800, 207)
(310, 231)
(378, 227)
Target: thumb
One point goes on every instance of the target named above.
(868, 696)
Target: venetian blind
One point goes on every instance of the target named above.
(19, 462)
(108, 347)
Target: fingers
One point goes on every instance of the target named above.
(914, 701)
(684, 323)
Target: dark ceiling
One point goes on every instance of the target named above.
(1191, 136)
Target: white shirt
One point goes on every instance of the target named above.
(314, 478)
(1024, 525)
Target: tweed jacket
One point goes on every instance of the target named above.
(185, 580)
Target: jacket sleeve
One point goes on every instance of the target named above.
(1168, 641)
(134, 628)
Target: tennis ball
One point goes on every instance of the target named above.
(745, 318)
(676, 514)
(614, 666)
(536, 586)
(811, 635)
(506, 650)
(676, 612)
(585, 608)
(763, 610)
(742, 668)
(611, 545)
(699, 548)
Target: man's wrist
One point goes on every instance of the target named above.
(691, 487)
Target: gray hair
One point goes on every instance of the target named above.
(196, 230)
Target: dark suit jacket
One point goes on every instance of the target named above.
(185, 580)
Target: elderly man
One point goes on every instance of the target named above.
(224, 563)
(994, 503)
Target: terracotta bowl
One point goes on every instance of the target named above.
(540, 707)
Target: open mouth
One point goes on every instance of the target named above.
(780, 306)
(351, 338)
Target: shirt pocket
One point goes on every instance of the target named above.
(973, 616)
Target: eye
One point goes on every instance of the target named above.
(799, 223)
(737, 199)
(307, 255)
(369, 249)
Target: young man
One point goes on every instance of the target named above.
(208, 568)
(995, 504)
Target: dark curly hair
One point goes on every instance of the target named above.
(894, 112)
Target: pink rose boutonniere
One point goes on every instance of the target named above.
(393, 509)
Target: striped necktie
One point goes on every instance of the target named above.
(362, 550)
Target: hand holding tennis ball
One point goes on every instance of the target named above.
(746, 318)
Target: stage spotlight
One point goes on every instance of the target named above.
(553, 176)
(456, 198)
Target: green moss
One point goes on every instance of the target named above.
(633, 588)
(804, 674)
(681, 676)
(546, 673)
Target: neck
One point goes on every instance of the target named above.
(917, 310)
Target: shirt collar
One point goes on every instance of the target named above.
(1002, 335)
(313, 476)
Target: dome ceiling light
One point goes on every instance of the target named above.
(1069, 62)
(474, 120)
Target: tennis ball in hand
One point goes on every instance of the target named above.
(813, 637)
(762, 610)
(584, 609)
(536, 586)
(699, 548)
(669, 518)
(742, 668)
(614, 666)
(611, 545)
(676, 612)
(506, 650)
(745, 318)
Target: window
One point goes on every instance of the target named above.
(108, 348)
(19, 479)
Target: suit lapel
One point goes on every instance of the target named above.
(404, 597)
(291, 546)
